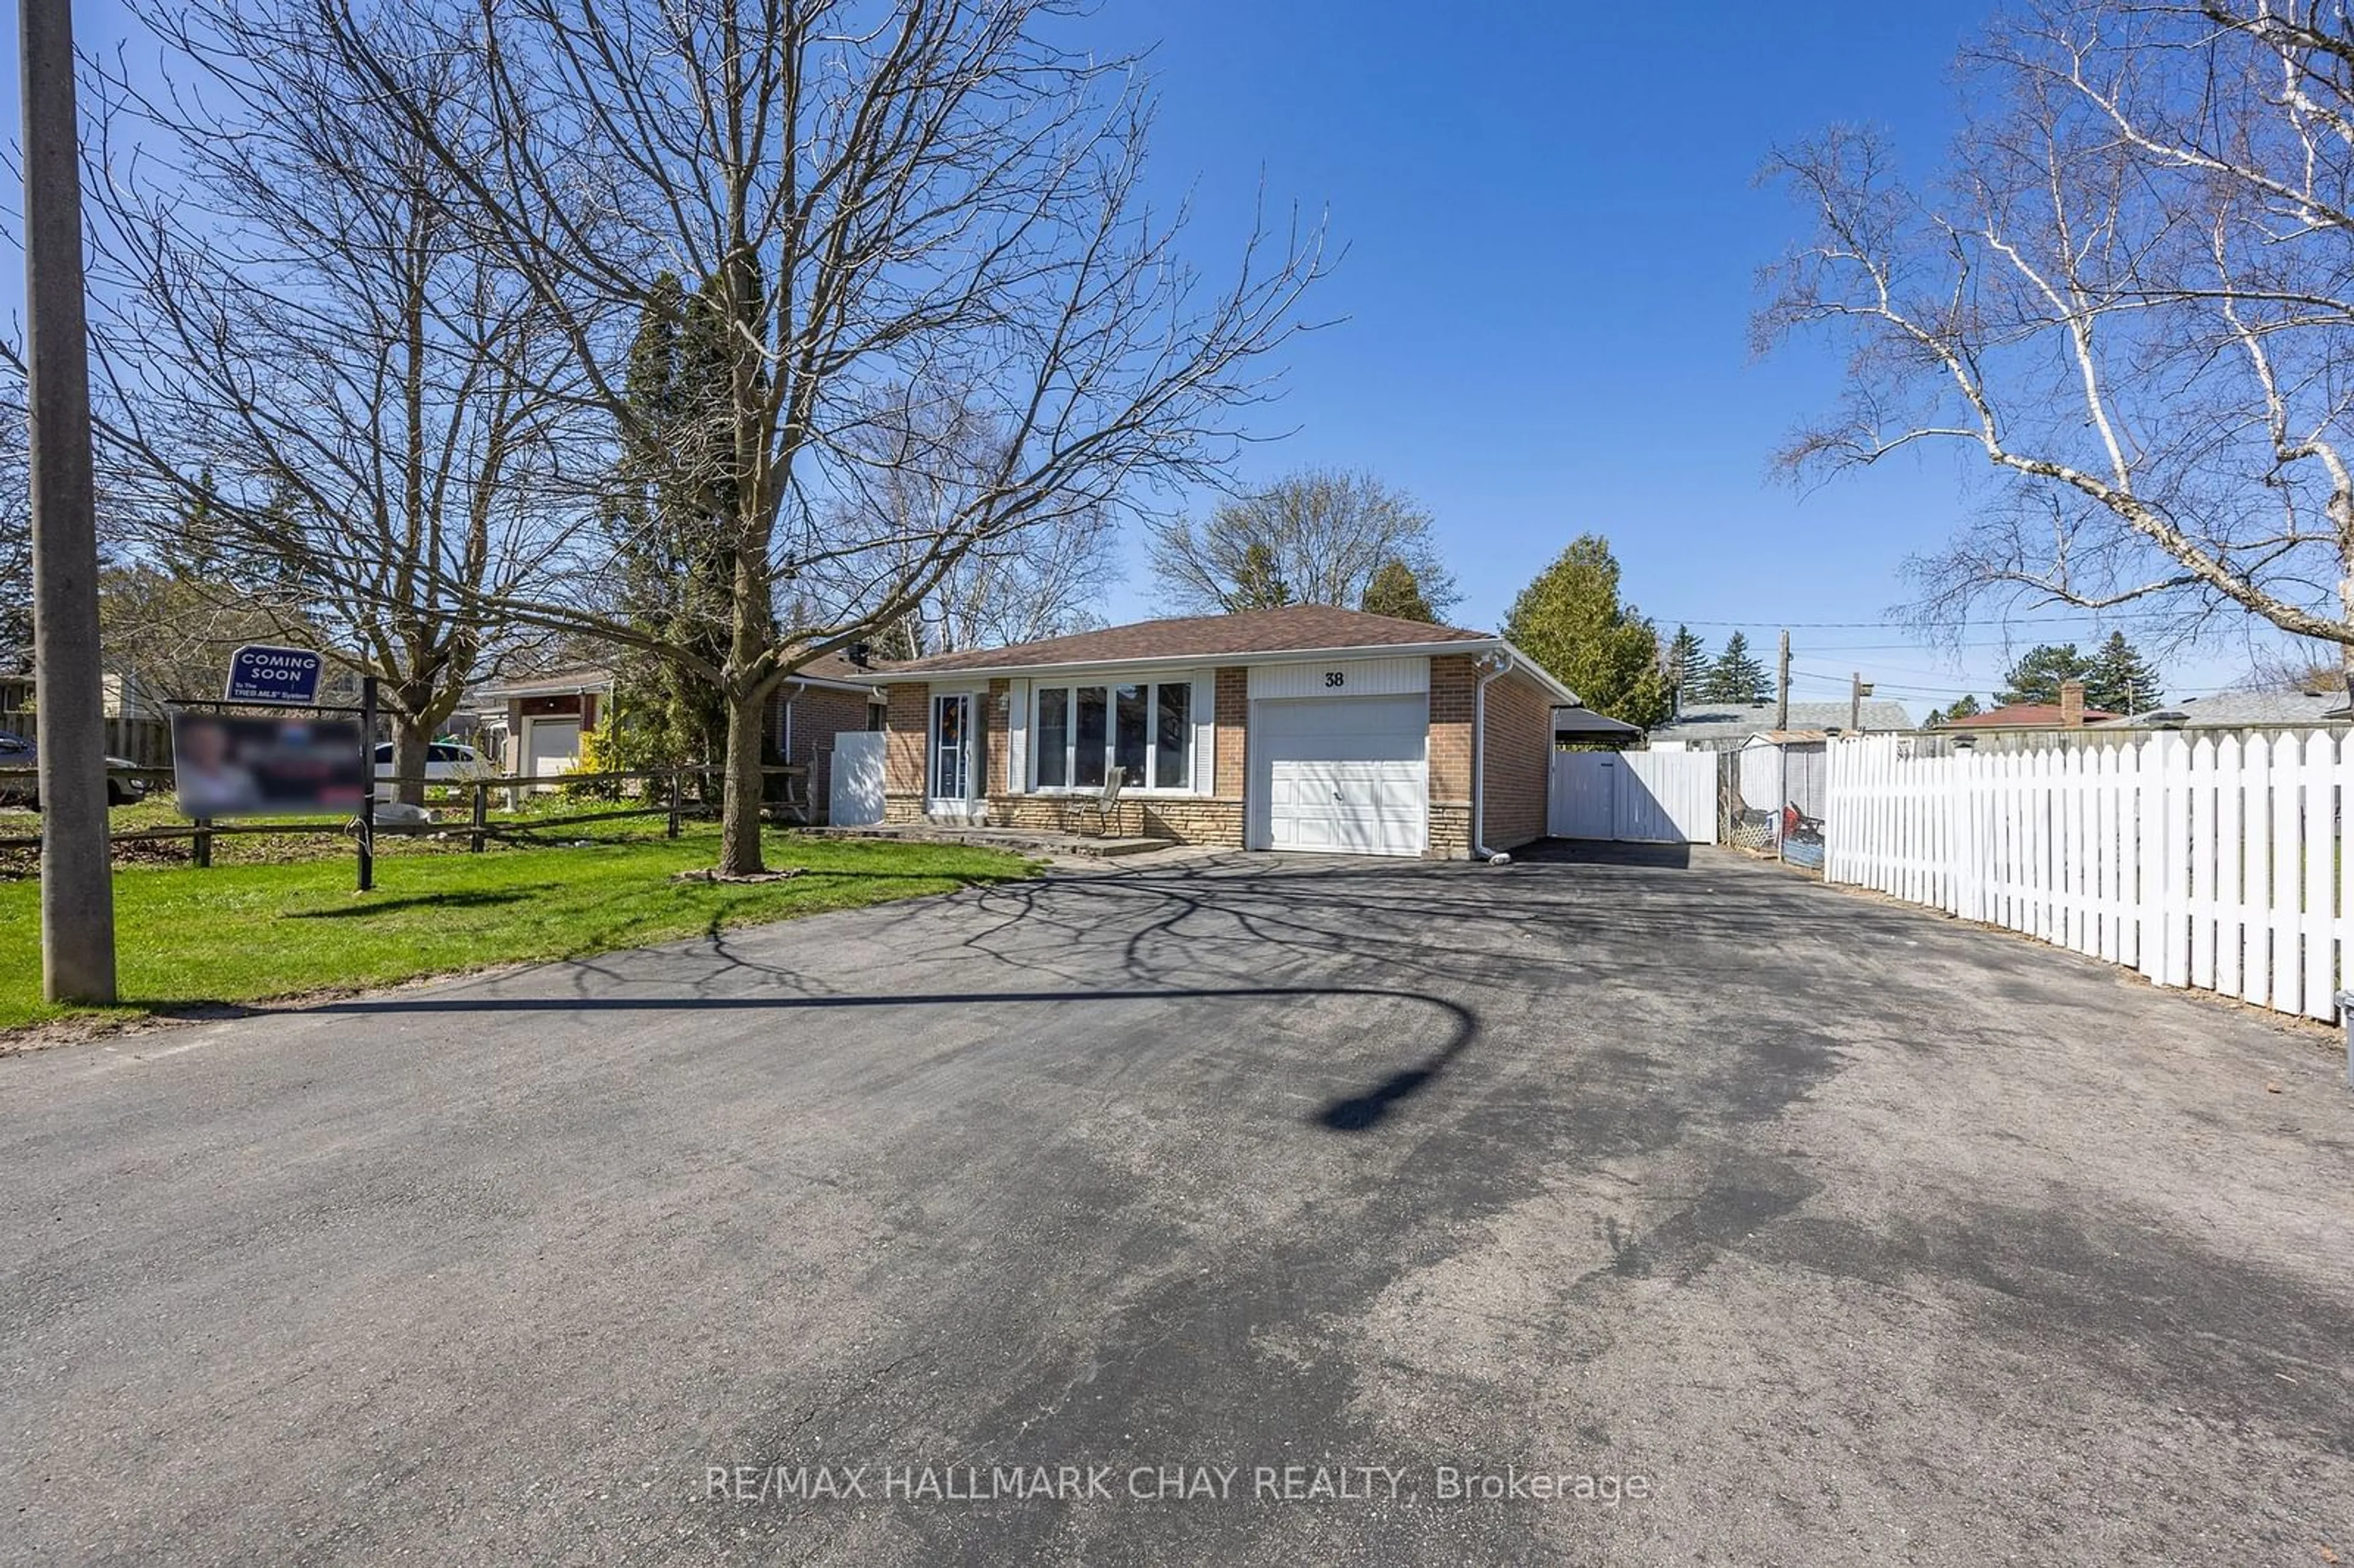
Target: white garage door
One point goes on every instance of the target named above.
(555, 747)
(1346, 775)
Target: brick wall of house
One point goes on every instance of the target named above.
(1518, 759)
(996, 739)
(1230, 711)
(1452, 681)
(905, 722)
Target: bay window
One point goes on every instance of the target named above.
(1053, 737)
(1128, 735)
(1087, 739)
(1143, 730)
(1172, 739)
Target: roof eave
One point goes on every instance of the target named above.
(1191, 661)
(868, 688)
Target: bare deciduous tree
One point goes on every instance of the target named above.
(1043, 581)
(15, 539)
(316, 382)
(941, 192)
(1322, 533)
(2129, 296)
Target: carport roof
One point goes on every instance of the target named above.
(1569, 719)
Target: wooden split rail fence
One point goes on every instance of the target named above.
(666, 795)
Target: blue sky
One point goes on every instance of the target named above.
(1553, 237)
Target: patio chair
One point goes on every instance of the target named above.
(1104, 808)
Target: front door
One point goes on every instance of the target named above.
(953, 747)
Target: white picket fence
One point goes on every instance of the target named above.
(2211, 861)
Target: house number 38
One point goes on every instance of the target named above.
(1336, 677)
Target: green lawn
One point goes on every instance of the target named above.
(243, 933)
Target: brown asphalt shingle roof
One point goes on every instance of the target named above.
(834, 667)
(1295, 628)
(2023, 715)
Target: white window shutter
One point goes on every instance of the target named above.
(1017, 738)
(1205, 733)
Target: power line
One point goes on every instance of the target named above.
(2070, 620)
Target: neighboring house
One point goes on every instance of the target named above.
(2243, 710)
(534, 723)
(127, 696)
(1727, 727)
(2031, 715)
(1307, 728)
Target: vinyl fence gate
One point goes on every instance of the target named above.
(1634, 797)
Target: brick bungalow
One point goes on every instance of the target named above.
(1303, 728)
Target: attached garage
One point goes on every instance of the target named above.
(1342, 775)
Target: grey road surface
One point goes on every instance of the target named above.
(1233, 1211)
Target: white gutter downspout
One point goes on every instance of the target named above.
(1480, 849)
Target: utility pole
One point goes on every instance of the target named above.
(1858, 689)
(1782, 685)
(76, 885)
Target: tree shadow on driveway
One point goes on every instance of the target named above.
(1350, 1114)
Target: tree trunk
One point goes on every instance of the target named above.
(410, 736)
(739, 814)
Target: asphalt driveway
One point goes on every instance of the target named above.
(1770, 1224)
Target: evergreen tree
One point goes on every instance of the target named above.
(1394, 591)
(1258, 582)
(1737, 676)
(2120, 680)
(1962, 706)
(1570, 621)
(669, 520)
(2038, 676)
(1686, 663)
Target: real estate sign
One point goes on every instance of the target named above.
(261, 673)
(235, 766)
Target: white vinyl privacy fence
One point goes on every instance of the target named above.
(2211, 861)
(1637, 797)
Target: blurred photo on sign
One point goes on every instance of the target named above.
(225, 767)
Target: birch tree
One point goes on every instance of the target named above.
(939, 191)
(2127, 296)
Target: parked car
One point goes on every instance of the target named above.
(445, 761)
(18, 751)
